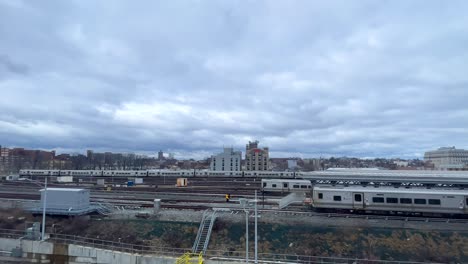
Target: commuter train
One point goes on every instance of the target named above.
(376, 199)
(156, 173)
(390, 199)
(286, 185)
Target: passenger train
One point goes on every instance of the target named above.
(376, 199)
(155, 173)
(391, 200)
(286, 185)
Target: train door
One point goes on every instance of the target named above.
(358, 200)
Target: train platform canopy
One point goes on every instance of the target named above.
(417, 176)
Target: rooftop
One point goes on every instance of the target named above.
(64, 189)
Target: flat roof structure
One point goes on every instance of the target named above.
(63, 189)
(65, 201)
(390, 176)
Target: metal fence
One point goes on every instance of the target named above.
(215, 255)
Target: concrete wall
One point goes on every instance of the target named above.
(13, 203)
(46, 252)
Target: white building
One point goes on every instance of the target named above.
(66, 199)
(256, 159)
(401, 163)
(229, 160)
(447, 158)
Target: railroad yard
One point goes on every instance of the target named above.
(203, 193)
(182, 205)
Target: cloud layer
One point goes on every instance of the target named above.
(306, 78)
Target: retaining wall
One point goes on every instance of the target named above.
(47, 252)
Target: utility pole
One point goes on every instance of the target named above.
(44, 210)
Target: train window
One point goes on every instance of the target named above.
(434, 201)
(273, 185)
(320, 195)
(466, 202)
(405, 200)
(420, 201)
(357, 198)
(296, 186)
(303, 186)
(392, 200)
(336, 198)
(285, 185)
(377, 199)
(264, 184)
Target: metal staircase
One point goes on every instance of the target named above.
(294, 197)
(104, 208)
(204, 232)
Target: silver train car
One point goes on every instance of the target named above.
(391, 200)
(286, 185)
(156, 173)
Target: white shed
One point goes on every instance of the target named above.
(66, 199)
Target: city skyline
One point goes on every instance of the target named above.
(361, 79)
(209, 155)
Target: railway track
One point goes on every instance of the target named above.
(180, 198)
(295, 212)
(212, 187)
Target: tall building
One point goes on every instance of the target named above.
(447, 158)
(17, 158)
(4, 159)
(229, 160)
(256, 159)
(160, 155)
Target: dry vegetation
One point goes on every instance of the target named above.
(370, 243)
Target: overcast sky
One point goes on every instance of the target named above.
(305, 78)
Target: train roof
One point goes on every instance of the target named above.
(389, 173)
(285, 180)
(64, 189)
(392, 190)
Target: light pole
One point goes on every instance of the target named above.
(44, 205)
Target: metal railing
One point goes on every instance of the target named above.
(189, 258)
(215, 255)
(11, 233)
(200, 228)
(291, 198)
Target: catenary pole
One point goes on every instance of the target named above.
(246, 236)
(256, 240)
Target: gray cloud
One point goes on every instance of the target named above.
(10, 66)
(360, 78)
